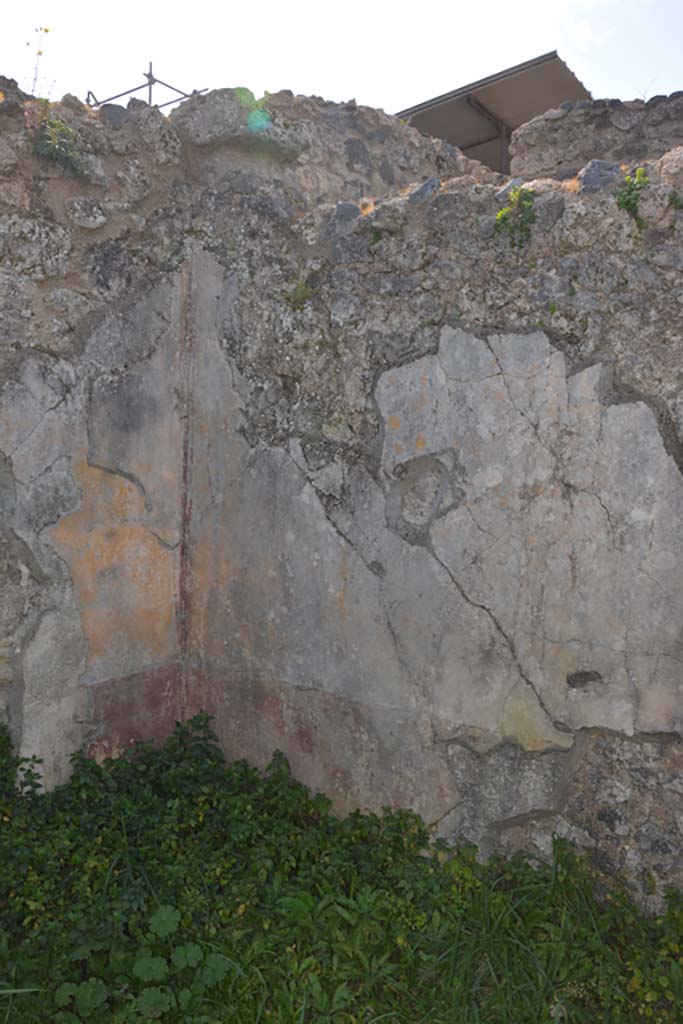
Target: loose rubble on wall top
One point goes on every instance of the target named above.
(560, 142)
(294, 426)
(151, 186)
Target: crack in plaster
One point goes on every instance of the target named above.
(126, 475)
(531, 376)
(50, 408)
(509, 642)
(348, 542)
(627, 651)
(573, 489)
(341, 698)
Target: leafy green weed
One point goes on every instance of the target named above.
(169, 886)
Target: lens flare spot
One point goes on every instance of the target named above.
(258, 120)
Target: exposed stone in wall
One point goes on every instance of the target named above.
(560, 142)
(320, 452)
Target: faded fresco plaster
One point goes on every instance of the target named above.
(398, 635)
(252, 461)
(446, 633)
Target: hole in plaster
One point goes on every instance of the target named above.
(577, 680)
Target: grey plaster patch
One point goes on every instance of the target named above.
(54, 707)
(51, 495)
(563, 529)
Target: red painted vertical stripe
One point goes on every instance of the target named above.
(187, 359)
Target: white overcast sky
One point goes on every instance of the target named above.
(385, 54)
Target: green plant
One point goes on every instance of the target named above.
(53, 140)
(516, 219)
(675, 199)
(168, 886)
(628, 196)
(302, 292)
(258, 117)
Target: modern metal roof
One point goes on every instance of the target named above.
(479, 118)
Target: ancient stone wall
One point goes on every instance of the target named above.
(562, 141)
(291, 432)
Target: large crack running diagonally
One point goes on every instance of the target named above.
(347, 541)
(509, 642)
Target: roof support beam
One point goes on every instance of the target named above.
(504, 131)
(480, 142)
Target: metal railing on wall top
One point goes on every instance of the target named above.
(152, 80)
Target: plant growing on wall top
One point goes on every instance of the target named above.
(53, 140)
(258, 118)
(517, 218)
(628, 196)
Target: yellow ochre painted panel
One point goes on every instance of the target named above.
(124, 578)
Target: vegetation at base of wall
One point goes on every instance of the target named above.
(168, 886)
(517, 218)
(628, 196)
(52, 139)
(675, 199)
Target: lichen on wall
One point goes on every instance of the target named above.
(290, 431)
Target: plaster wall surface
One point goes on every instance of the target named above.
(290, 432)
